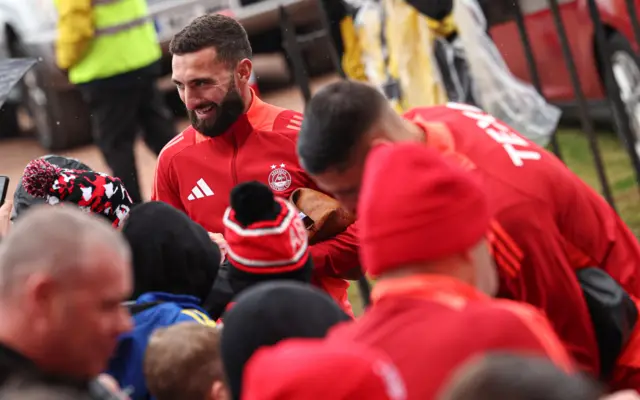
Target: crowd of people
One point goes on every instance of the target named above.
(498, 273)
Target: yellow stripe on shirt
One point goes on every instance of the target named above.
(199, 317)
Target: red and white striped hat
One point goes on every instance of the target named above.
(270, 246)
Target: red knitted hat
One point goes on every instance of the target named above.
(416, 206)
(91, 191)
(265, 235)
(312, 369)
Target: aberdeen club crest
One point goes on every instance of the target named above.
(279, 178)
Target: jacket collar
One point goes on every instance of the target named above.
(431, 287)
(440, 138)
(183, 300)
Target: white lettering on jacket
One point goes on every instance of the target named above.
(510, 141)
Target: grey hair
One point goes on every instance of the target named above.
(56, 240)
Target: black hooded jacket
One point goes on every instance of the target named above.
(171, 253)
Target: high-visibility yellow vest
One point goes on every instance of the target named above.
(125, 40)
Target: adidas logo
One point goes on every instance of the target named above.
(200, 190)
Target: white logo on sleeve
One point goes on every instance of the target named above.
(516, 146)
(200, 190)
(279, 178)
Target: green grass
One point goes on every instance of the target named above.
(575, 151)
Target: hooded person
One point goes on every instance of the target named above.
(22, 200)
(92, 191)
(300, 369)
(174, 266)
(266, 240)
(269, 313)
(434, 269)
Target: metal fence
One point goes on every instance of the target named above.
(294, 46)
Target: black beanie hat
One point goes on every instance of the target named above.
(171, 253)
(268, 313)
(265, 236)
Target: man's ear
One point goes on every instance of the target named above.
(219, 391)
(39, 298)
(40, 288)
(243, 70)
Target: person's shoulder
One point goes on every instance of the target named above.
(499, 319)
(507, 310)
(287, 122)
(286, 126)
(428, 112)
(180, 142)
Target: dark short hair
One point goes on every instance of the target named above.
(335, 120)
(223, 33)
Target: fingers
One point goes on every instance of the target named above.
(623, 395)
(5, 218)
(218, 239)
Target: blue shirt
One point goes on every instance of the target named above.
(126, 366)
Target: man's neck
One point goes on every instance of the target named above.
(18, 337)
(414, 133)
(247, 98)
(401, 130)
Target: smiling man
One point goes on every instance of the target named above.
(235, 137)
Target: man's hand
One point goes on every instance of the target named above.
(5, 218)
(111, 384)
(623, 395)
(218, 239)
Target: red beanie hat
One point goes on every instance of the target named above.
(91, 191)
(264, 234)
(312, 369)
(416, 206)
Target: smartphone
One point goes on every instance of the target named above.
(4, 189)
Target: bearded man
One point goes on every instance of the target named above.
(235, 137)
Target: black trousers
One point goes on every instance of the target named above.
(118, 112)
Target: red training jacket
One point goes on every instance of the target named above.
(430, 325)
(548, 223)
(196, 174)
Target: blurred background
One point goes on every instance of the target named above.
(300, 45)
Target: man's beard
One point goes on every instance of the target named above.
(227, 112)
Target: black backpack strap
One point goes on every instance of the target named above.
(613, 314)
(135, 308)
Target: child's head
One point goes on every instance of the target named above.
(171, 253)
(266, 238)
(183, 362)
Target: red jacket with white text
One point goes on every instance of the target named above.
(196, 173)
(548, 223)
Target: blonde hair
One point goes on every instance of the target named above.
(183, 361)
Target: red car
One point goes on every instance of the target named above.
(554, 76)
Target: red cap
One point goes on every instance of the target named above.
(416, 206)
(267, 247)
(312, 369)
